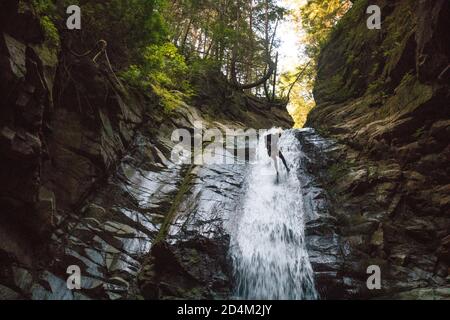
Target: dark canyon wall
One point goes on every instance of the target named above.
(64, 124)
(383, 95)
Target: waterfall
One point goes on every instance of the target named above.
(268, 250)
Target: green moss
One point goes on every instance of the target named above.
(334, 88)
(170, 99)
(184, 188)
(407, 80)
(324, 132)
(419, 132)
(409, 95)
(46, 10)
(344, 61)
(195, 257)
(42, 7)
(51, 33)
(399, 26)
(372, 172)
(375, 69)
(352, 17)
(338, 170)
(194, 293)
(350, 59)
(376, 86)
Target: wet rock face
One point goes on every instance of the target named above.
(152, 230)
(64, 124)
(433, 54)
(91, 127)
(322, 237)
(189, 256)
(85, 183)
(194, 269)
(387, 179)
(26, 79)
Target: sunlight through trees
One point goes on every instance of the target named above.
(314, 20)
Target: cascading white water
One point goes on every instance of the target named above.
(267, 245)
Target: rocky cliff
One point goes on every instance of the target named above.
(84, 170)
(382, 96)
(65, 123)
(86, 178)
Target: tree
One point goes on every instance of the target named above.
(128, 26)
(315, 20)
(236, 34)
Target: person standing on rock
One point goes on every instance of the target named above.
(274, 151)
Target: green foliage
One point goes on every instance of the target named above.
(217, 29)
(168, 66)
(161, 64)
(318, 18)
(137, 38)
(161, 44)
(128, 26)
(203, 66)
(301, 98)
(44, 7)
(170, 99)
(46, 10)
(165, 71)
(134, 77)
(51, 33)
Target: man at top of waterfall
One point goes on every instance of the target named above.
(273, 149)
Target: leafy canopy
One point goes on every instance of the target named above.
(315, 19)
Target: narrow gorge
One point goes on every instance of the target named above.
(88, 180)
